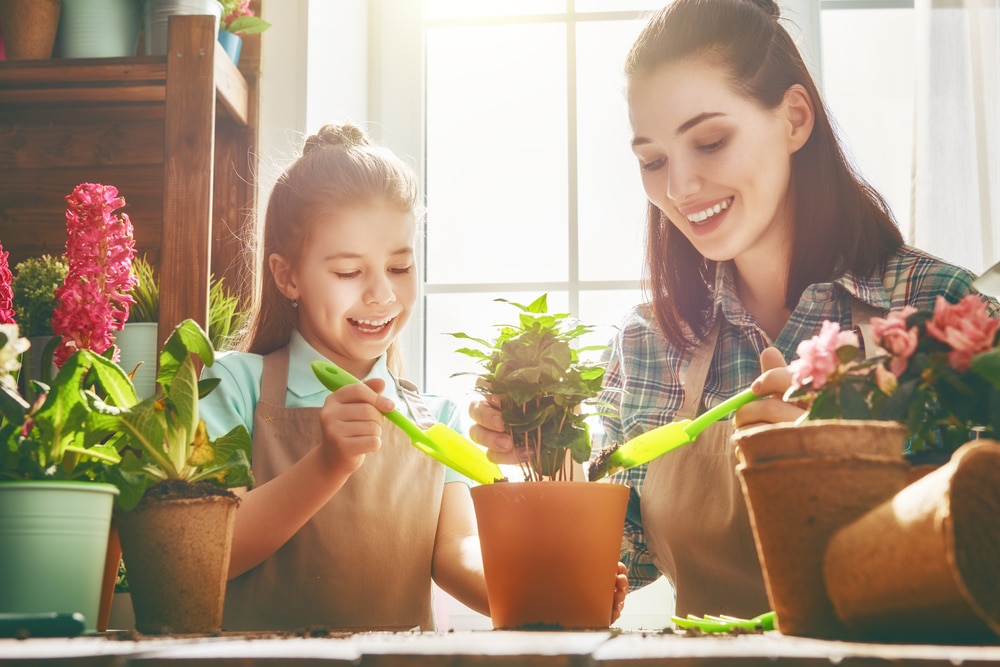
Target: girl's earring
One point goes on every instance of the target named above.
(295, 304)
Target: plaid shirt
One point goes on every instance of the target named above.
(646, 375)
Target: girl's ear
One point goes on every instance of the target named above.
(283, 277)
(799, 112)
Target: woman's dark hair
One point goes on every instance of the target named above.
(841, 222)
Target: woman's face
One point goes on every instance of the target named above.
(355, 284)
(715, 163)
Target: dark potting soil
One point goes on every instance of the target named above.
(176, 489)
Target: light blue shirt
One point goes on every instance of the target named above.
(234, 401)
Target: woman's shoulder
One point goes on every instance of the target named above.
(916, 278)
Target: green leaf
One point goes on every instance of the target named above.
(987, 366)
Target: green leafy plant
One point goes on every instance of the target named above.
(146, 292)
(34, 285)
(225, 314)
(542, 384)
(238, 18)
(62, 435)
(163, 436)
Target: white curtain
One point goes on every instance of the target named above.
(956, 167)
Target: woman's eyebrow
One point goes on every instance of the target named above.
(684, 127)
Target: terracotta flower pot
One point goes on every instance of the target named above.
(802, 483)
(925, 565)
(29, 27)
(550, 551)
(177, 556)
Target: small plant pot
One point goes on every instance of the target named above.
(156, 19)
(29, 28)
(925, 565)
(550, 552)
(111, 564)
(176, 554)
(232, 44)
(137, 346)
(802, 482)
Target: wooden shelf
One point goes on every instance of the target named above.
(176, 134)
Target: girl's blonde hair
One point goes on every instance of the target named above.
(339, 168)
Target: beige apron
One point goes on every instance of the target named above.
(692, 496)
(364, 559)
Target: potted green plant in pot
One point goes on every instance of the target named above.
(175, 513)
(34, 284)
(931, 384)
(56, 494)
(238, 19)
(551, 543)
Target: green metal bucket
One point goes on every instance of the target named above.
(53, 543)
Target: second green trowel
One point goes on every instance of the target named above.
(651, 444)
(439, 441)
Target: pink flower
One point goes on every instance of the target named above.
(818, 358)
(895, 338)
(965, 326)
(6, 294)
(94, 300)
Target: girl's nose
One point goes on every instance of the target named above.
(380, 292)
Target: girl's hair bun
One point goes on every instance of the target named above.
(336, 136)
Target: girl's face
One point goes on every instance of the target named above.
(356, 283)
(715, 163)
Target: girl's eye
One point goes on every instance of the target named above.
(654, 165)
(347, 275)
(401, 270)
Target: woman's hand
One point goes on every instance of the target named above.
(774, 381)
(351, 421)
(621, 590)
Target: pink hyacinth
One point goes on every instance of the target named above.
(94, 300)
(236, 9)
(6, 293)
(966, 326)
(818, 356)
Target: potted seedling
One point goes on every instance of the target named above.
(551, 543)
(175, 513)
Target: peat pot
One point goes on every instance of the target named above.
(176, 554)
(802, 482)
(53, 544)
(925, 564)
(550, 551)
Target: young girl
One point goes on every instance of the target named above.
(758, 231)
(347, 522)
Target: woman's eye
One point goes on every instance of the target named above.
(347, 275)
(714, 146)
(401, 270)
(654, 165)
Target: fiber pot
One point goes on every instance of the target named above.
(29, 28)
(925, 565)
(800, 494)
(550, 552)
(53, 543)
(176, 553)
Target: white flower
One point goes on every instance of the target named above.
(10, 353)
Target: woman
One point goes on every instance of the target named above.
(758, 231)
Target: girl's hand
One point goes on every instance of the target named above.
(621, 590)
(351, 420)
(488, 429)
(772, 384)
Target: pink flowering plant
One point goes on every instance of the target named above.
(936, 372)
(239, 18)
(93, 301)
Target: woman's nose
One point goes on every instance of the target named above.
(682, 181)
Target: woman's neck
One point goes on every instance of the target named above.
(762, 287)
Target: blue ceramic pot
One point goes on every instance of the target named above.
(231, 44)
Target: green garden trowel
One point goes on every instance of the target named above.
(439, 441)
(651, 444)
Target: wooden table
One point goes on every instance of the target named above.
(480, 648)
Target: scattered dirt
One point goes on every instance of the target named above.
(600, 462)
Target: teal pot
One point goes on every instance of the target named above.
(137, 347)
(53, 544)
(156, 15)
(98, 28)
(232, 44)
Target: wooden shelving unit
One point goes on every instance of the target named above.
(176, 134)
